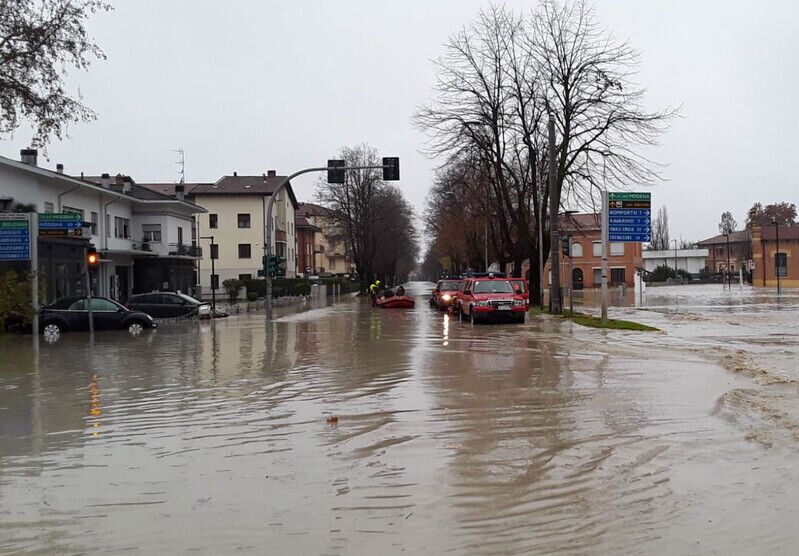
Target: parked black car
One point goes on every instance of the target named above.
(165, 305)
(71, 313)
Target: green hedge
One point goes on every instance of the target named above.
(298, 286)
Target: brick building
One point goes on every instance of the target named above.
(585, 231)
(740, 251)
(768, 260)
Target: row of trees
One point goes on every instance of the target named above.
(371, 217)
(498, 81)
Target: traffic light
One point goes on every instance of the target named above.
(92, 258)
(391, 168)
(564, 246)
(333, 175)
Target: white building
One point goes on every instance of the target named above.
(692, 261)
(119, 215)
(235, 214)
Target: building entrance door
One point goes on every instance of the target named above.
(577, 279)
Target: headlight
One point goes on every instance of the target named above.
(518, 302)
(483, 303)
(446, 297)
(204, 308)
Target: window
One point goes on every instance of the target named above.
(616, 249)
(213, 221)
(332, 264)
(79, 212)
(103, 305)
(244, 251)
(48, 207)
(95, 218)
(616, 276)
(781, 264)
(321, 248)
(597, 245)
(245, 276)
(577, 250)
(597, 276)
(151, 232)
(180, 235)
(244, 220)
(107, 225)
(214, 250)
(493, 286)
(121, 228)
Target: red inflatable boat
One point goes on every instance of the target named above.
(395, 302)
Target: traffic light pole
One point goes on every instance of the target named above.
(268, 219)
(88, 291)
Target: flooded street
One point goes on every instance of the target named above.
(536, 438)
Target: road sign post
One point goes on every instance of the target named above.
(626, 218)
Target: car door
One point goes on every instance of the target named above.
(171, 306)
(77, 316)
(107, 314)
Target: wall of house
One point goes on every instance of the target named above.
(228, 236)
(624, 258)
(763, 255)
(170, 222)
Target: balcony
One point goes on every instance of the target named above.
(160, 249)
(183, 250)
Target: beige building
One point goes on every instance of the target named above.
(319, 252)
(236, 208)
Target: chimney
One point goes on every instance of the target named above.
(179, 192)
(59, 168)
(119, 181)
(235, 174)
(28, 156)
(271, 173)
(105, 181)
(127, 184)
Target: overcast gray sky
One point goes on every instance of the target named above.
(258, 85)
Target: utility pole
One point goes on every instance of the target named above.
(214, 283)
(727, 270)
(605, 210)
(555, 306)
(676, 274)
(776, 254)
(541, 251)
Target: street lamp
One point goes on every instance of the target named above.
(676, 274)
(776, 253)
(214, 283)
(727, 270)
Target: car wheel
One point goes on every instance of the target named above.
(520, 318)
(472, 318)
(135, 328)
(52, 331)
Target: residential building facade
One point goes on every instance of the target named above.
(329, 255)
(235, 218)
(585, 231)
(737, 248)
(769, 261)
(111, 210)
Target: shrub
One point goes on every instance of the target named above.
(252, 296)
(302, 289)
(232, 287)
(663, 273)
(16, 312)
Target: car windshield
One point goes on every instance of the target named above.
(189, 298)
(519, 284)
(450, 286)
(493, 286)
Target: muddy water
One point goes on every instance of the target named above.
(538, 438)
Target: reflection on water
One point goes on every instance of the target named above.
(450, 437)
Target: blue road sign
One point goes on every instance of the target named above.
(629, 217)
(14, 237)
(59, 221)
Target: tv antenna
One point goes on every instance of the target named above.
(181, 163)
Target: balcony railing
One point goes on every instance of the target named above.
(183, 250)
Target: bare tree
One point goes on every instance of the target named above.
(499, 79)
(371, 218)
(39, 41)
(660, 231)
(727, 225)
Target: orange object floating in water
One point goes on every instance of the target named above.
(332, 420)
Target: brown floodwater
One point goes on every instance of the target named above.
(537, 438)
